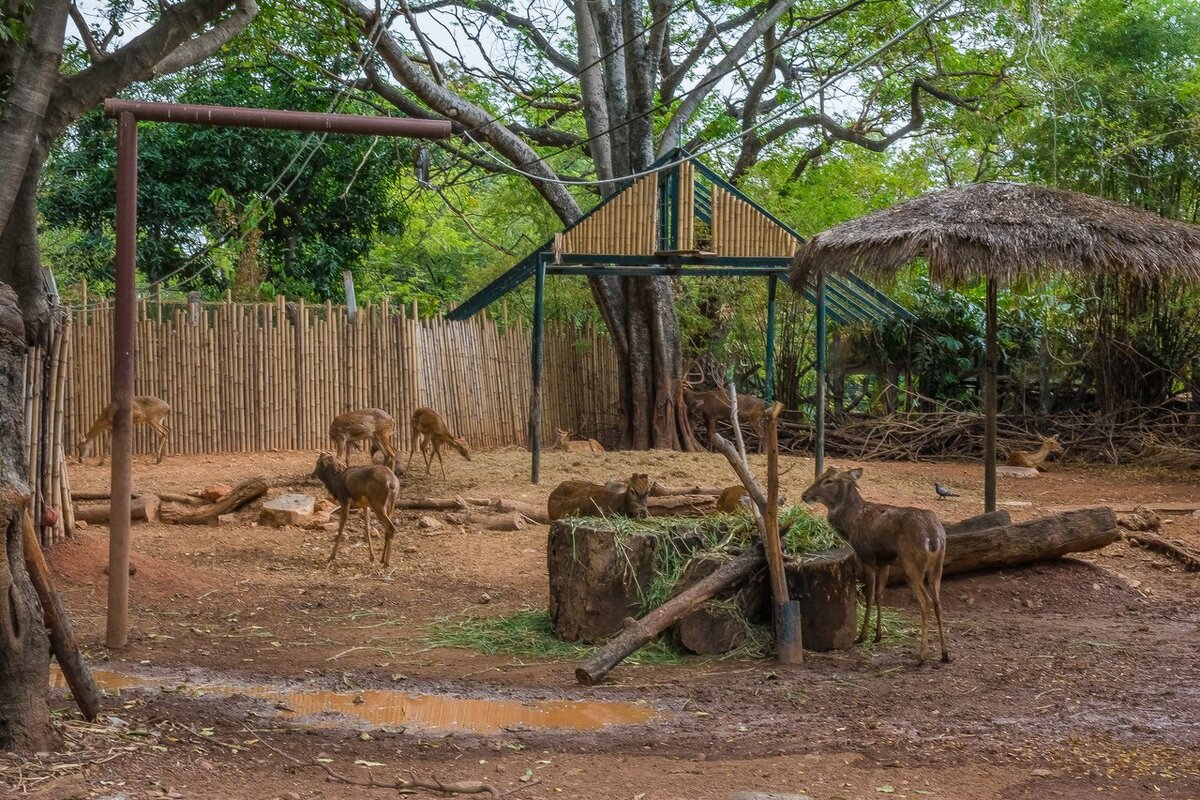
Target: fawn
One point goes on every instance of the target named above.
(369, 424)
(714, 406)
(881, 536)
(1020, 458)
(583, 499)
(431, 432)
(371, 488)
(147, 410)
(583, 446)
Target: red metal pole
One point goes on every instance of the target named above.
(122, 384)
(283, 120)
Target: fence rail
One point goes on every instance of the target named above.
(271, 376)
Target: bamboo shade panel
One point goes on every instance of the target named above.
(687, 202)
(626, 225)
(739, 229)
(265, 377)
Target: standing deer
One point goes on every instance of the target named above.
(713, 405)
(147, 410)
(1033, 460)
(881, 536)
(583, 499)
(430, 431)
(368, 424)
(371, 488)
(581, 446)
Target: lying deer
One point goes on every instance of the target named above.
(714, 406)
(430, 432)
(1033, 460)
(881, 536)
(369, 424)
(583, 499)
(565, 442)
(371, 488)
(147, 410)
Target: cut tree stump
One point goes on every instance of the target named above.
(719, 625)
(207, 515)
(594, 586)
(825, 585)
(142, 507)
(287, 509)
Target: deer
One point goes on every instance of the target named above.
(1033, 460)
(429, 430)
(565, 442)
(370, 488)
(583, 499)
(713, 405)
(368, 424)
(882, 535)
(147, 410)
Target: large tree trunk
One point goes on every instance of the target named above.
(20, 255)
(24, 647)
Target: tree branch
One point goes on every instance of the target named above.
(522, 25)
(198, 49)
(85, 33)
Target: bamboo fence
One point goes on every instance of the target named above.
(271, 376)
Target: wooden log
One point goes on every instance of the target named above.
(719, 625)
(62, 638)
(594, 585)
(681, 505)
(207, 515)
(512, 521)
(1189, 559)
(142, 507)
(639, 632)
(980, 522)
(659, 490)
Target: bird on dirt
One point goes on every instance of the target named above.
(943, 492)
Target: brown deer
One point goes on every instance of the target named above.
(429, 431)
(881, 536)
(732, 499)
(583, 499)
(713, 405)
(565, 442)
(371, 488)
(1033, 460)
(368, 424)
(147, 410)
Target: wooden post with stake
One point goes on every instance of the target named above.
(788, 644)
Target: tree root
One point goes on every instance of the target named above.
(1189, 559)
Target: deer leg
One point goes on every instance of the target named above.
(935, 590)
(438, 452)
(389, 529)
(412, 449)
(164, 433)
(869, 591)
(915, 575)
(367, 530)
(881, 576)
(337, 540)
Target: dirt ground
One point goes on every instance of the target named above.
(1070, 679)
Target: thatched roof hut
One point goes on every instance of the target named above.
(998, 232)
(1002, 231)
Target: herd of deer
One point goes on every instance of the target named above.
(882, 536)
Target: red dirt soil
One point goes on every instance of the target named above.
(1073, 678)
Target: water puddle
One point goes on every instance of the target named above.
(394, 709)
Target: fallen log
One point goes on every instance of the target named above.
(536, 513)
(141, 507)
(639, 632)
(489, 522)
(1189, 559)
(659, 490)
(207, 515)
(980, 522)
(681, 505)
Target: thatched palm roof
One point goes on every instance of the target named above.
(1004, 230)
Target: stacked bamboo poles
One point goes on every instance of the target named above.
(45, 396)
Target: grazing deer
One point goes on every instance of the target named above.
(732, 499)
(147, 410)
(371, 488)
(368, 424)
(430, 431)
(583, 499)
(881, 536)
(581, 446)
(1020, 458)
(714, 405)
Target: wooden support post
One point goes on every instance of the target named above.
(787, 620)
(351, 304)
(535, 397)
(194, 308)
(117, 627)
(989, 401)
(772, 287)
(819, 402)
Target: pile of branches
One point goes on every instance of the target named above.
(1159, 437)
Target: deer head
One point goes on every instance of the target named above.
(832, 487)
(635, 495)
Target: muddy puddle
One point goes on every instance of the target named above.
(397, 709)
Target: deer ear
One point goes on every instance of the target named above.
(855, 473)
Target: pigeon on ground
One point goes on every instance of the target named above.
(943, 492)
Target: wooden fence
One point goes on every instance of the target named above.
(271, 376)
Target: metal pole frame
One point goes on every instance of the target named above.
(989, 401)
(819, 403)
(535, 356)
(772, 287)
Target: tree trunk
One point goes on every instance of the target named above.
(20, 255)
(24, 647)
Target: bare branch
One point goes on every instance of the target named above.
(94, 51)
(522, 25)
(434, 69)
